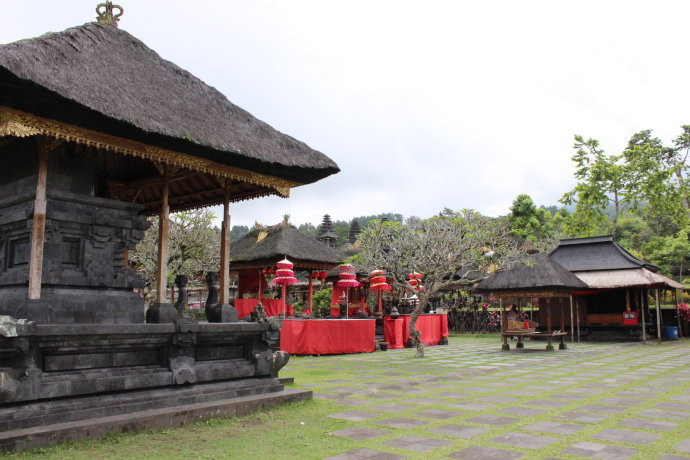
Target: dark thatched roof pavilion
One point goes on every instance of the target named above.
(101, 88)
(542, 275)
(264, 246)
(114, 121)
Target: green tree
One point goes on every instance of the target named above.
(529, 222)
(601, 180)
(671, 253)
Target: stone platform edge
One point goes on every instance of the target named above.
(169, 417)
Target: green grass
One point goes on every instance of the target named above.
(301, 430)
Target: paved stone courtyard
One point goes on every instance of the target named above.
(469, 400)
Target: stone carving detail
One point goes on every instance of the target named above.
(182, 299)
(269, 363)
(10, 327)
(280, 359)
(183, 370)
(212, 308)
(259, 314)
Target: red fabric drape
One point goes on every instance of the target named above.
(273, 307)
(432, 327)
(328, 337)
(248, 281)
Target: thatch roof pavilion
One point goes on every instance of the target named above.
(264, 246)
(538, 277)
(615, 278)
(155, 136)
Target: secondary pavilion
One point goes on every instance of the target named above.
(97, 132)
(619, 284)
(539, 278)
(258, 251)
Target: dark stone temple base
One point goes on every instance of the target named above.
(95, 417)
(80, 376)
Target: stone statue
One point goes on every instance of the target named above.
(182, 298)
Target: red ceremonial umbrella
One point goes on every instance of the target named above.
(377, 280)
(348, 279)
(284, 276)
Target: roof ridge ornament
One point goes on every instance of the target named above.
(106, 15)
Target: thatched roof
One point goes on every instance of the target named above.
(596, 253)
(104, 79)
(263, 247)
(542, 273)
(639, 277)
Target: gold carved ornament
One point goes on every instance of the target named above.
(20, 124)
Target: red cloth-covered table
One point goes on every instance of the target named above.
(397, 331)
(327, 336)
(273, 307)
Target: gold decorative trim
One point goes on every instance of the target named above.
(20, 124)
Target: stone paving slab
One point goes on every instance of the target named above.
(389, 407)
(458, 431)
(591, 449)
(359, 433)
(527, 441)
(555, 427)
(674, 406)
(471, 406)
(548, 403)
(522, 411)
(626, 436)
(370, 454)
(354, 415)
(645, 424)
(417, 443)
(402, 422)
(601, 408)
(665, 414)
(489, 419)
(683, 446)
(486, 453)
(439, 413)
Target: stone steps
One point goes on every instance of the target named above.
(18, 416)
(168, 417)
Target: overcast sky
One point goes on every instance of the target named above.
(425, 104)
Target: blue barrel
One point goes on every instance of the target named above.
(671, 332)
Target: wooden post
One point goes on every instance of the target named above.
(560, 301)
(503, 320)
(643, 316)
(283, 306)
(658, 313)
(548, 315)
(261, 284)
(163, 236)
(39, 221)
(311, 290)
(225, 248)
(680, 329)
(577, 312)
(572, 323)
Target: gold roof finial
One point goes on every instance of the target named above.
(106, 14)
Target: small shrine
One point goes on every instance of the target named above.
(98, 132)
